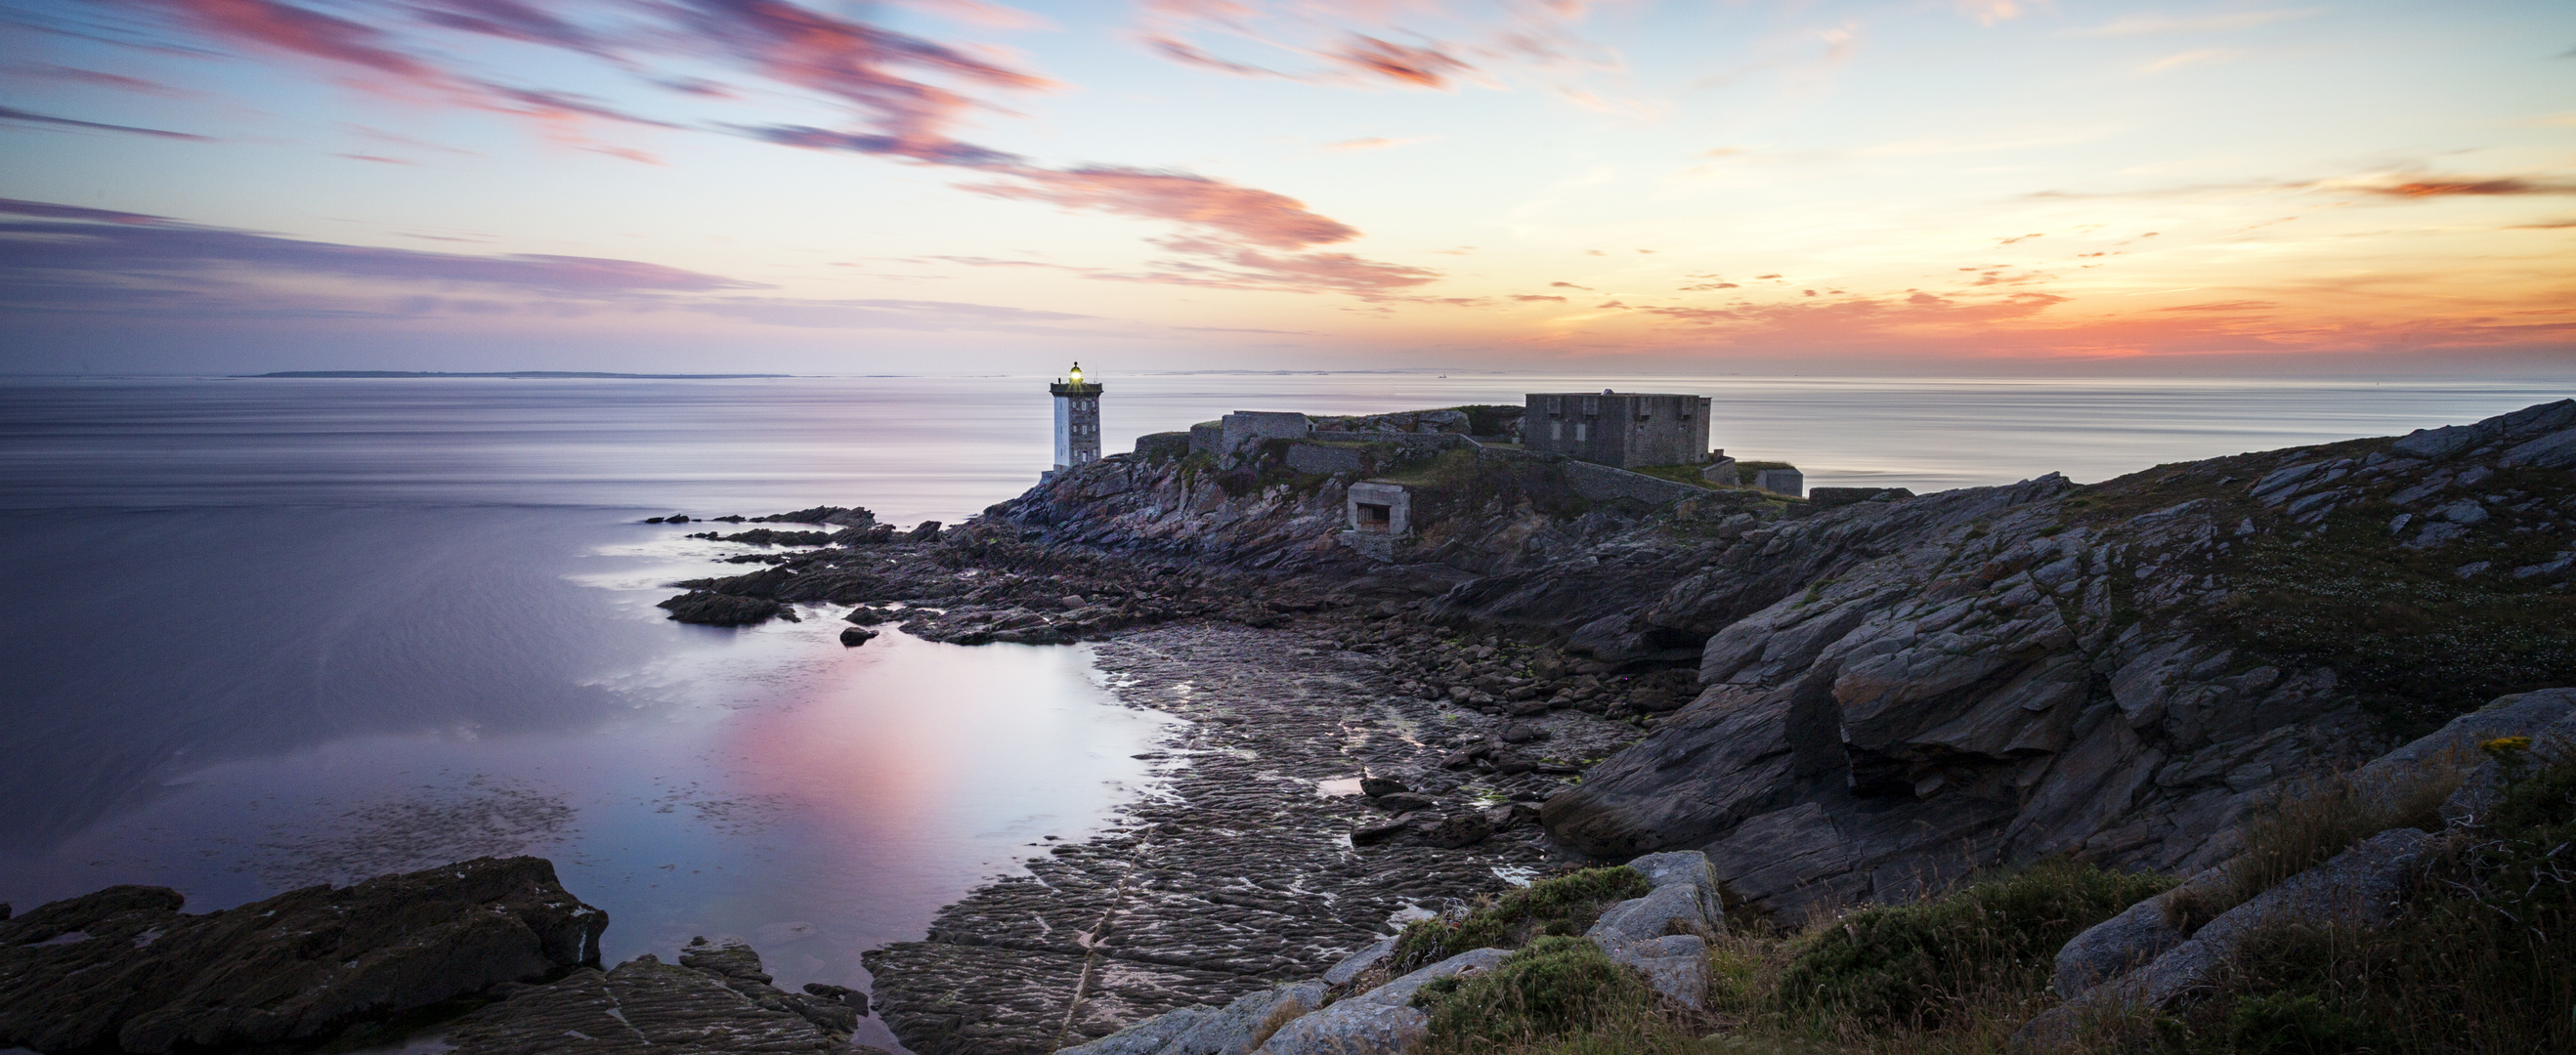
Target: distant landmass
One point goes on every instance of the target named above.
(511, 373)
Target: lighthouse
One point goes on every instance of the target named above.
(1077, 420)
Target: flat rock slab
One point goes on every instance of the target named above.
(1235, 873)
(643, 1007)
(123, 969)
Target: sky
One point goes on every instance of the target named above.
(1920, 187)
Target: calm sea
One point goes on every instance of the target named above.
(264, 633)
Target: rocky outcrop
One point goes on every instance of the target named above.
(715, 1001)
(1896, 690)
(2145, 958)
(1661, 935)
(2360, 887)
(123, 969)
(1381, 1020)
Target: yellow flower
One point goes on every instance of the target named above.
(2507, 748)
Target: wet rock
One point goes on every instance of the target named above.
(707, 608)
(854, 636)
(1401, 802)
(840, 994)
(1241, 875)
(1374, 787)
(715, 1001)
(123, 969)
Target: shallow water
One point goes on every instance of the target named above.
(263, 633)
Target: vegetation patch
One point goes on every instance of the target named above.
(1554, 985)
(1565, 905)
(2417, 641)
(2482, 960)
(1918, 964)
(2304, 825)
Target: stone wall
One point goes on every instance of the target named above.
(1163, 446)
(1243, 428)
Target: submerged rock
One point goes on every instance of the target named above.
(123, 969)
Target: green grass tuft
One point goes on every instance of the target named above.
(1915, 964)
(1553, 986)
(1567, 904)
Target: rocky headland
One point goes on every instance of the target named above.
(1837, 705)
(1817, 706)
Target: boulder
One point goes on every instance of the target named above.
(1381, 1021)
(1239, 1026)
(1676, 965)
(1199, 1030)
(122, 969)
(854, 636)
(1683, 899)
(1355, 964)
(2129, 940)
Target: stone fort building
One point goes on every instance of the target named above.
(1625, 429)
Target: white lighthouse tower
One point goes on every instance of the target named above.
(1077, 420)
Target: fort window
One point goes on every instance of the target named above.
(1374, 517)
(1578, 430)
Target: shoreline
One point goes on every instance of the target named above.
(1242, 872)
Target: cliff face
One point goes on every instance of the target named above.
(1477, 512)
(1896, 692)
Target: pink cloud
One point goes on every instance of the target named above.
(1421, 67)
(1255, 216)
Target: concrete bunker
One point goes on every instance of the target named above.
(1379, 509)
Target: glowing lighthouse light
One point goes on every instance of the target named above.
(1077, 420)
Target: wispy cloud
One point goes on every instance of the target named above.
(1438, 45)
(121, 246)
(1378, 143)
(2179, 60)
(2157, 26)
(74, 75)
(11, 114)
(2471, 187)
(904, 96)
(1248, 214)
(67, 259)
